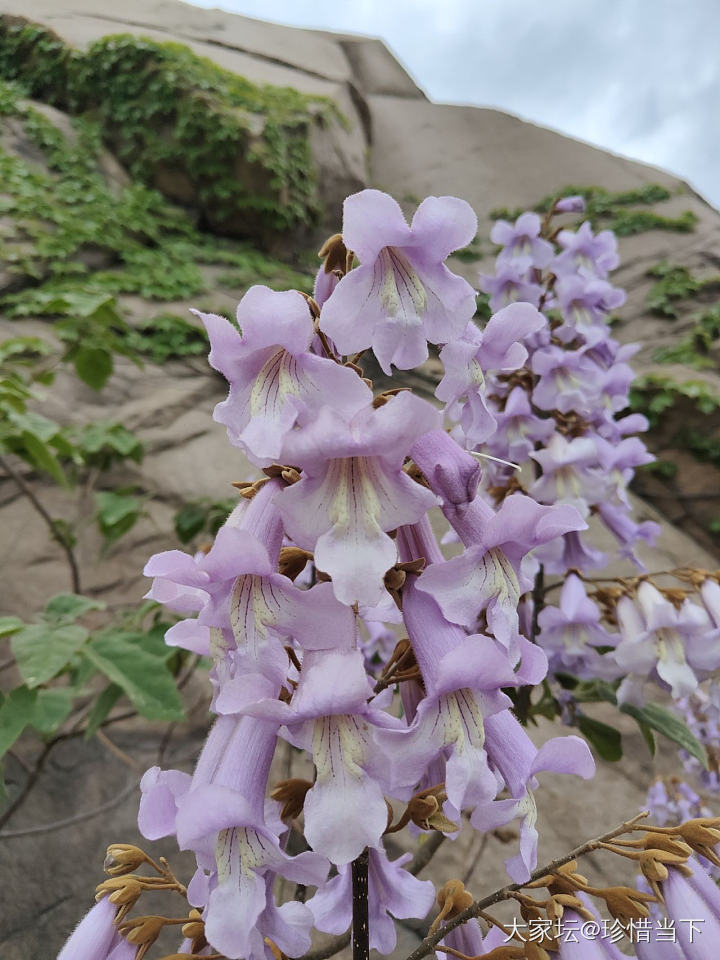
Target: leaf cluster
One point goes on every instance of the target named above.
(243, 149)
(66, 666)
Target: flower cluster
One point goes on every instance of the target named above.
(333, 620)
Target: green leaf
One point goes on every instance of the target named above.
(42, 457)
(670, 725)
(190, 521)
(42, 650)
(606, 739)
(70, 606)
(143, 676)
(116, 514)
(16, 712)
(10, 625)
(101, 708)
(52, 708)
(93, 365)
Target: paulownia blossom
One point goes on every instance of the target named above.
(247, 610)
(332, 715)
(402, 295)
(522, 240)
(658, 638)
(466, 361)
(274, 377)
(393, 893)
(488, 574)
(353, 490)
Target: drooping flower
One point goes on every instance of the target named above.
(511, 284)
(466, 360)
(392, 893)
(94, 936)
(573, 204)
(588, 253)
(223, 821)
(694, 904)
(570, 632)
(330, 716)
(402, 295)
(274, 377)
(247, 610)
(658, 638)
(517, 760)
(488, 575)
(463, 679)
(522, 239)
(353, 490)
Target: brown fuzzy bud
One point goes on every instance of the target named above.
(334, 253)
(291, 793)
(123, 891)
(293, 561)
(142, 931)
(194, 929)
(626, 904)
(452, 899)
(123, 858)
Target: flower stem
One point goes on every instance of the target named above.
(360, 928)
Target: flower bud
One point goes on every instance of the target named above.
(123, 858)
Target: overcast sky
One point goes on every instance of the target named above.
(640, 77)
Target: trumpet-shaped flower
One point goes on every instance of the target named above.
(353, 490)
(95, 936)
(658, 638)
(570, 633)
(330, 716)
(392, 892)
(466, 360)
(402, 295)
(488, 575)
(274, 377)
(522, 239)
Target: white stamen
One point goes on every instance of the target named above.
(487, 456)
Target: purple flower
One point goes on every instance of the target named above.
(694, 898)
(247, 611)
(353, 489)
(402, 295)
(94, 936)
(467, 360)
(522, 239)
(392, 892)
(488, 575)
(570, 473)
(517, 760)
(579, 944)
(573, 204)
(569, 380)
(584, 303)
(587, 253)
(658, 638)
(463, 677)
(468, 939)
(569, 633)
(511, 284)
(330, 716)
(518, 428)
(223, 821)
(274, 378)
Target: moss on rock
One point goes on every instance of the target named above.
(238, 151)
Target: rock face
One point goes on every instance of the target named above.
(394, 139)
